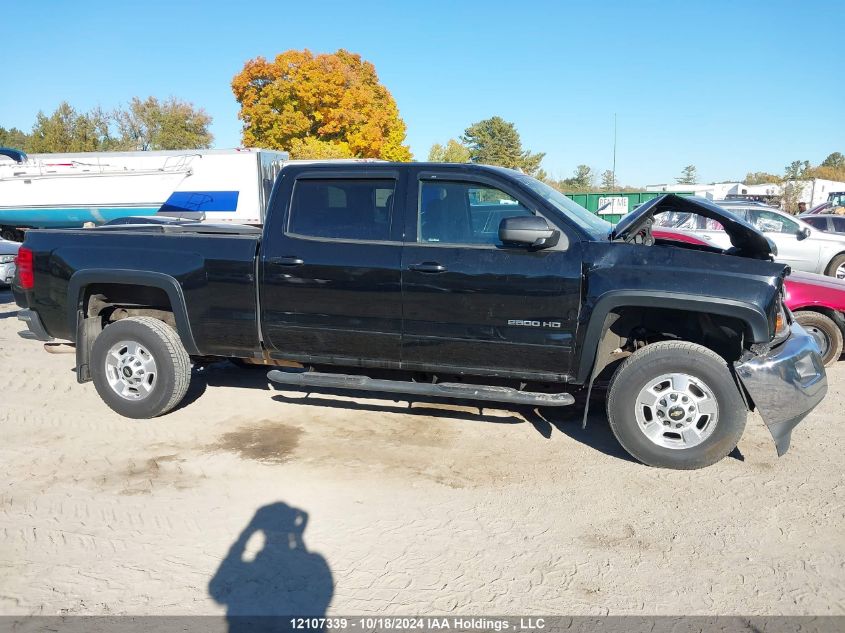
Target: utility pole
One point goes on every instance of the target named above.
(614, 150)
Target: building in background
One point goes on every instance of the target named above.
(813, 191)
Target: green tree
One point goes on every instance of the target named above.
(797, 170)
(14, 138)
(793, 184)
(608, 180)
(495, 141)
(300, 99)
(67, 130)
(760, 178)
(689, 176)
(835, 160)
(453, 152)
(582, 179)
(157, 125)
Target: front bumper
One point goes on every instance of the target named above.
(36, 329)
(785, 384)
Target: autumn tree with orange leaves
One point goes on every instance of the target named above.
(319, 106)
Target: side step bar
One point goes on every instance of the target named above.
(442, 390)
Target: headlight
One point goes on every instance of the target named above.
(782, 322)
(7, 259)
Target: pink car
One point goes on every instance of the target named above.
(818, 302)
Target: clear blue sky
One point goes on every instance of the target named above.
(727, 86)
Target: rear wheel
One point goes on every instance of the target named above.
(676, 405)
(140, 367)
(824, 330)
(836, 268)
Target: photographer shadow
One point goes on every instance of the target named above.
(262, 589)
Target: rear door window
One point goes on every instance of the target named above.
(838, 224)
(342, 209)
(817, 223)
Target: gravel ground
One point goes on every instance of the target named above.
(249, 500)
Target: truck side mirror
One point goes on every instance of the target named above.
(529, 230)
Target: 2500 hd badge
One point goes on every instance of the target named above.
(529, 323)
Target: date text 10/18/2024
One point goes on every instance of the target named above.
(419, 624)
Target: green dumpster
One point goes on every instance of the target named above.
(612, 205)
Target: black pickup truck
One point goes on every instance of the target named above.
(439, 280)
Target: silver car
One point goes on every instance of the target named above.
(800, 245)
(8, 251)
(826, 222)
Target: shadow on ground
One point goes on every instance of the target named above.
(269, 573)
(7, 298)
(566, 420)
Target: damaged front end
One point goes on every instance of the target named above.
(746, 241)
(785, 383)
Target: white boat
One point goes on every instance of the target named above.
(69, 190)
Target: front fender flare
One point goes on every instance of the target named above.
(755, 319)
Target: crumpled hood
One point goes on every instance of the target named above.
(747, 240)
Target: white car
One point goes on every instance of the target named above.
(798, 244)
(8, 252)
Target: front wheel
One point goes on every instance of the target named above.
(836, 267)
(140, 367)
(824, 330)
(675, 405)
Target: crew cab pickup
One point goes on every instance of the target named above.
(439, 280)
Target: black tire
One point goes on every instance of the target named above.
(674, 357)
(825, 331)
(834, 264)
(173, 366)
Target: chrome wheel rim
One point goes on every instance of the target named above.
(677, 411)
(840, 272)
(820, 337)
(131, 370)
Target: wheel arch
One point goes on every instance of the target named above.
(86, 329)
(611, 307)
(829, 263)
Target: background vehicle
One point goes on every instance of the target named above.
(68, 190)
(835, 205)
(818, 302)
(460, 281)
(8, 252)
(798, 244)
(826, 222)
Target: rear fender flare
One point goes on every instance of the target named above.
(756, 321)
(84, 278)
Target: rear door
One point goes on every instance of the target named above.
(330, 281)
(471, 303)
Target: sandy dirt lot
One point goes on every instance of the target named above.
(250, 500)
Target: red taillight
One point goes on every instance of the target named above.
(26, 273)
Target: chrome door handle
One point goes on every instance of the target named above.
(285, 261)
(428, 267)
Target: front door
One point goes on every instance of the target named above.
(330, 280)
(472, 303)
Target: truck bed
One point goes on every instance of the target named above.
(211, 268)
